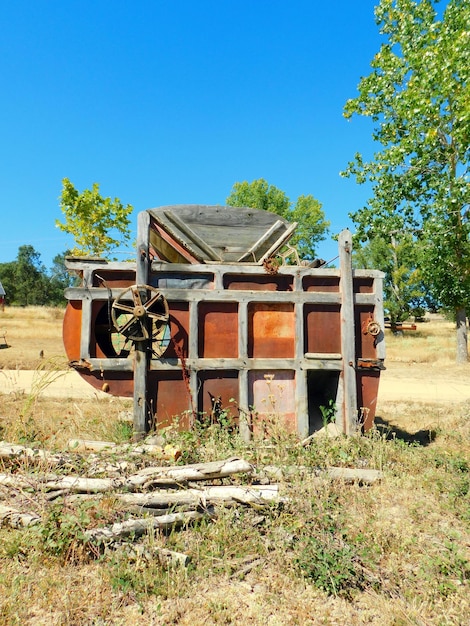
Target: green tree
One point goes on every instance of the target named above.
(27, 282)
(97, 224)
(25, 279)
(259, 194)
(397, 257)
(418, 98)
(307, 211)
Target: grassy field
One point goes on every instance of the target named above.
(396, 552)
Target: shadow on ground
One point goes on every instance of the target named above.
(420, 438)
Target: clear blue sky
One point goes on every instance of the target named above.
(169, 102)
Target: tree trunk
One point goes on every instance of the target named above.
(462, 347)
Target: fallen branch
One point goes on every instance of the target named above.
(354, 475)
(16, 452)
(138, 527)
(202, 497)
(144, 479)
(18, 481)
(108, 447)
(78, 484)
(345, 474)
(16, 519)
(185, 473)
(165, 556)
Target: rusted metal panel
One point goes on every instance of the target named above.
(321, 284)
(323, 328)
(218, 330)
(363, 285)
(366, 339)
(179, 330)
(271, 331)
(71, 329)
(272, 394)
(172, 400)
(368, 388)
(219, 396)
(258, 283)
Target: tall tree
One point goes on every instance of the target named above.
(417, 96)
(25, 280)
(97, 224)
(397, 257)
(307, 211)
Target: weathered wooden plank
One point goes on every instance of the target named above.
(85, 333)
(379, 317)
(348, 348)
(222, 295)
(79, 264)
(243, 393)
(214, 215)
(301, 390)
(193, 236)
(208, 232)
(250, 255)
(141, 407)
(324, 356)
(320, 361)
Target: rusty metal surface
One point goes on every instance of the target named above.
(172, 400)
(365, 341)
(368, 388)
(321, 284)
(273, 394)
(323, 328)
(259, 283)
(218, 395)
(218, 330)
(71, 330)
(271, 331)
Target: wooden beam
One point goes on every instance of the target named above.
(141, 358)
(348, 347)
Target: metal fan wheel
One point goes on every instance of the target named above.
(141, 313)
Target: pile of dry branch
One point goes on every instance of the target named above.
(152, 497)
(147, 496)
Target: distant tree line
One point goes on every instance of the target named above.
(27, 281)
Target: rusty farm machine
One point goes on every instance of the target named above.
(217, 314)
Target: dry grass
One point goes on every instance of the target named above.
(33, 334)
(396, 553)
(433, 342)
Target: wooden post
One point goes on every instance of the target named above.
(348, 348)
(301, 393)
(141, 357)
(243, 380)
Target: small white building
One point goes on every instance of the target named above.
(2, 297)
